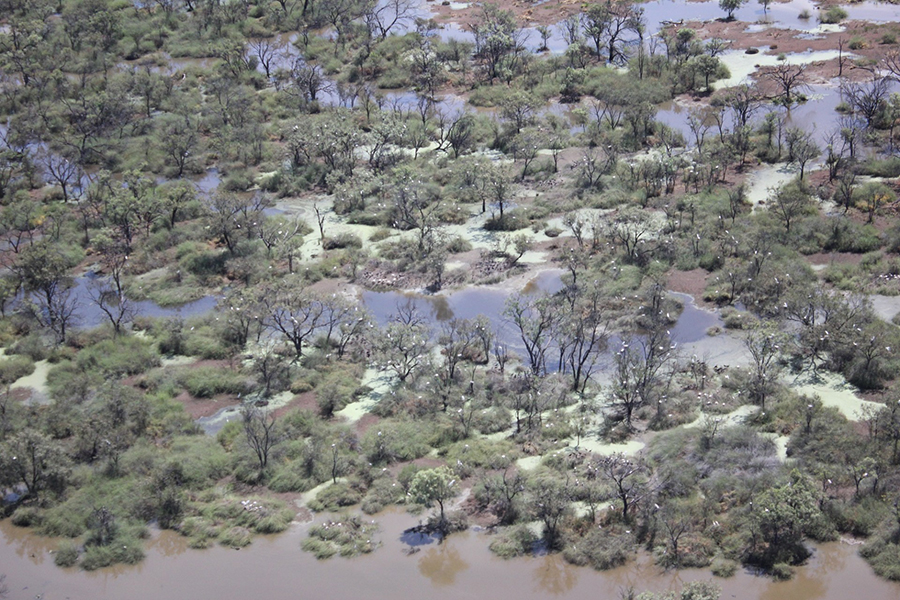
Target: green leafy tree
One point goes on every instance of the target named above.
(730, 7)
(262, 432)
(766, 344)
(778, 520)
(549, 501)
(498, 42)
(437, 485)
(42, 269)
(35, 461)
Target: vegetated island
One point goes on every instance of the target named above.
(267, 258)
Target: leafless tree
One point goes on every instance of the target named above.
(63, 172)
(535, 317)
(293, 312)
(766, 345)
(382, 16)
(581, 333)
(266, 50)
(790, 79)
(801, 147)
(108, 296)
(262, 433)
(628, 478)
(308, 81)
(867, 98)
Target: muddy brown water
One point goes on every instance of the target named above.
(274, 567)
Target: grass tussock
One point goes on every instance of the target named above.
(347, 536)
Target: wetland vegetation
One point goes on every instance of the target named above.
(611, 286)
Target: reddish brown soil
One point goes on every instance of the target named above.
(367, 421)
(827, 258)
(21, 394)
(304, 401)
(689, 282)
(204, 407)
(428, 463)
(775, 41)
(526, 13)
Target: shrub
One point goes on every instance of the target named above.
(384, 491)
(254, 515)
(235, 537)
(321, 549)
(405, 477)
(286, 479)
(458, 244)
(206, 263)
(14, 368)
(513, 542)
(118, 357)
(334, 497)
(237, 181)
(335, 392)
(206, 382)
(782, 571)
(393, 441)
(63, 521)
(857, 43)
(206, 343)
(512, 220)
(722, 567)
(32, 346)
(861, 518)
(382, 233)
(197, 461)
(493, 420)
(346, 535)
(200, 531)
(883, 553)
(887, 167)
(27, 516)
(122, 550)
(834, 14)
(342, 240)
(736, 319)
(600, 549)
(481, 454)
(66, 554)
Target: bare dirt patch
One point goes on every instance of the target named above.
(691, 282)
(828, 258)
(304, 401)
(365, 422)
(774, 41)
(525, 11)
(204, 407)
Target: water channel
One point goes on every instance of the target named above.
(274, 567)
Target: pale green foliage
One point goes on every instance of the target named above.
(434, 485)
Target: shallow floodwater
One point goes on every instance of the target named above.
(274, 567)
(467, 303)
(471, 302)
(89, 314)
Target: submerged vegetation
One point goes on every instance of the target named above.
(262, 164)
(349, 536)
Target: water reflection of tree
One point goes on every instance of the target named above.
(168, 543)
(554, 576)
(805, 585)
(25, 543)
(442, 564)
